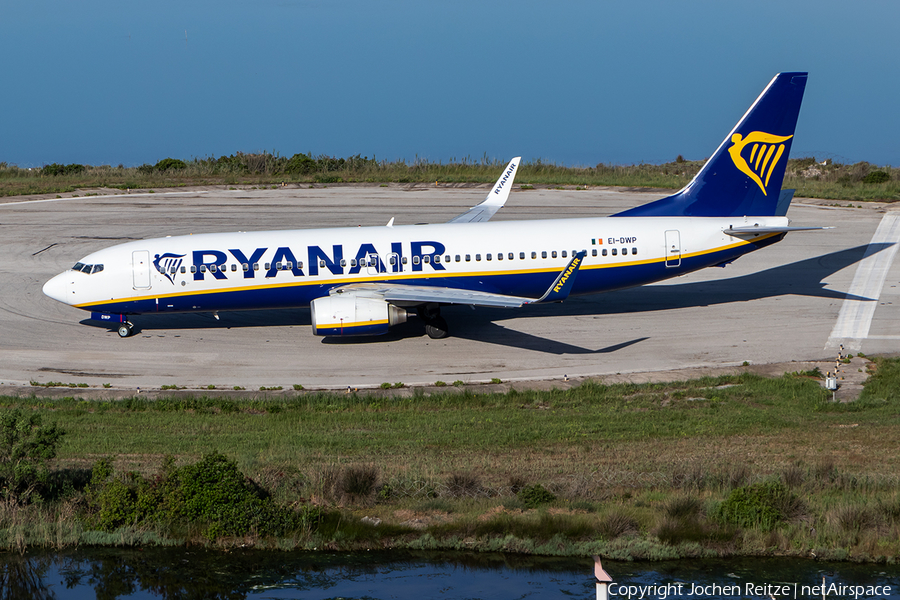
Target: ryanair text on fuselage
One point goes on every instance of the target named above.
(212, 262)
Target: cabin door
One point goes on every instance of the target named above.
(140, 262)
(673, 248)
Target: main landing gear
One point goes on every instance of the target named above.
(435, 325)
(125, 330)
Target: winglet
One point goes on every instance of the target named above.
(560, 289)
(495, 199)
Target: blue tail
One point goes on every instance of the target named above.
(745, 174)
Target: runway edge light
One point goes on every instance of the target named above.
(603, 580)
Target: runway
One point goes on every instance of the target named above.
(797, 300)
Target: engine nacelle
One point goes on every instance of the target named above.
(349, 314)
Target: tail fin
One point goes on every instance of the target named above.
(745, 174)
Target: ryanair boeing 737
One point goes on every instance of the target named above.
(362, 280)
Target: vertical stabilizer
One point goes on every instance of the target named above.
(745, 173)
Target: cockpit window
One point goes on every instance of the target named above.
(89, 269)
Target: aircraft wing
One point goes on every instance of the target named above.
(411, 295)
(495, 199)
(398, 293)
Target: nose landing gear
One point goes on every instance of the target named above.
(125, 330)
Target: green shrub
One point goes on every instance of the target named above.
(57, 169)
(533, 496)
(876, 177)
(211, 495)
(300, 164)
(170, 163)
(761, 505)
(26, 448)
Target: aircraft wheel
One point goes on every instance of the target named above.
(436, 328)
(125, 330)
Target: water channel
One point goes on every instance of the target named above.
(151, 573)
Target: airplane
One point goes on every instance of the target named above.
(363, 280)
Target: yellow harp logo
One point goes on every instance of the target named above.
(760, 162)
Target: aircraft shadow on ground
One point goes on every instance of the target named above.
(801, 278)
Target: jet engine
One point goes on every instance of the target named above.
(350, 314)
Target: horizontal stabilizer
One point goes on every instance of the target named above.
(495, 199)
(759, 229)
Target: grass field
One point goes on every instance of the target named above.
(857, 182)
(633, 470)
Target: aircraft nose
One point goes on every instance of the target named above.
(56, 288)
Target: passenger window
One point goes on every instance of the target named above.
(594, 252)
(343, 262)
(613, 251)
(278, 266)
(624, 251)
(213, 268)
(604, 252)
(534, 255)
(403, 260)
(233, 267)
(299, 264)
(426, 259)
(268, 266)
(353, 261)
(415, 260)
(499, 256)
(245, 267)
(553, 254)
(510, 256)
(488, 257)
(634, 250)
(477, 257)
(193, 268)
(322, 264)
(203, 268)
(437, 258)
(447, 258)
(183, 269)
(457, 258)
(521, 256)
(256, 266)
(564, 254)
(544, 254)
(468, 257)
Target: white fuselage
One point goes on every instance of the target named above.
(289, 268)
